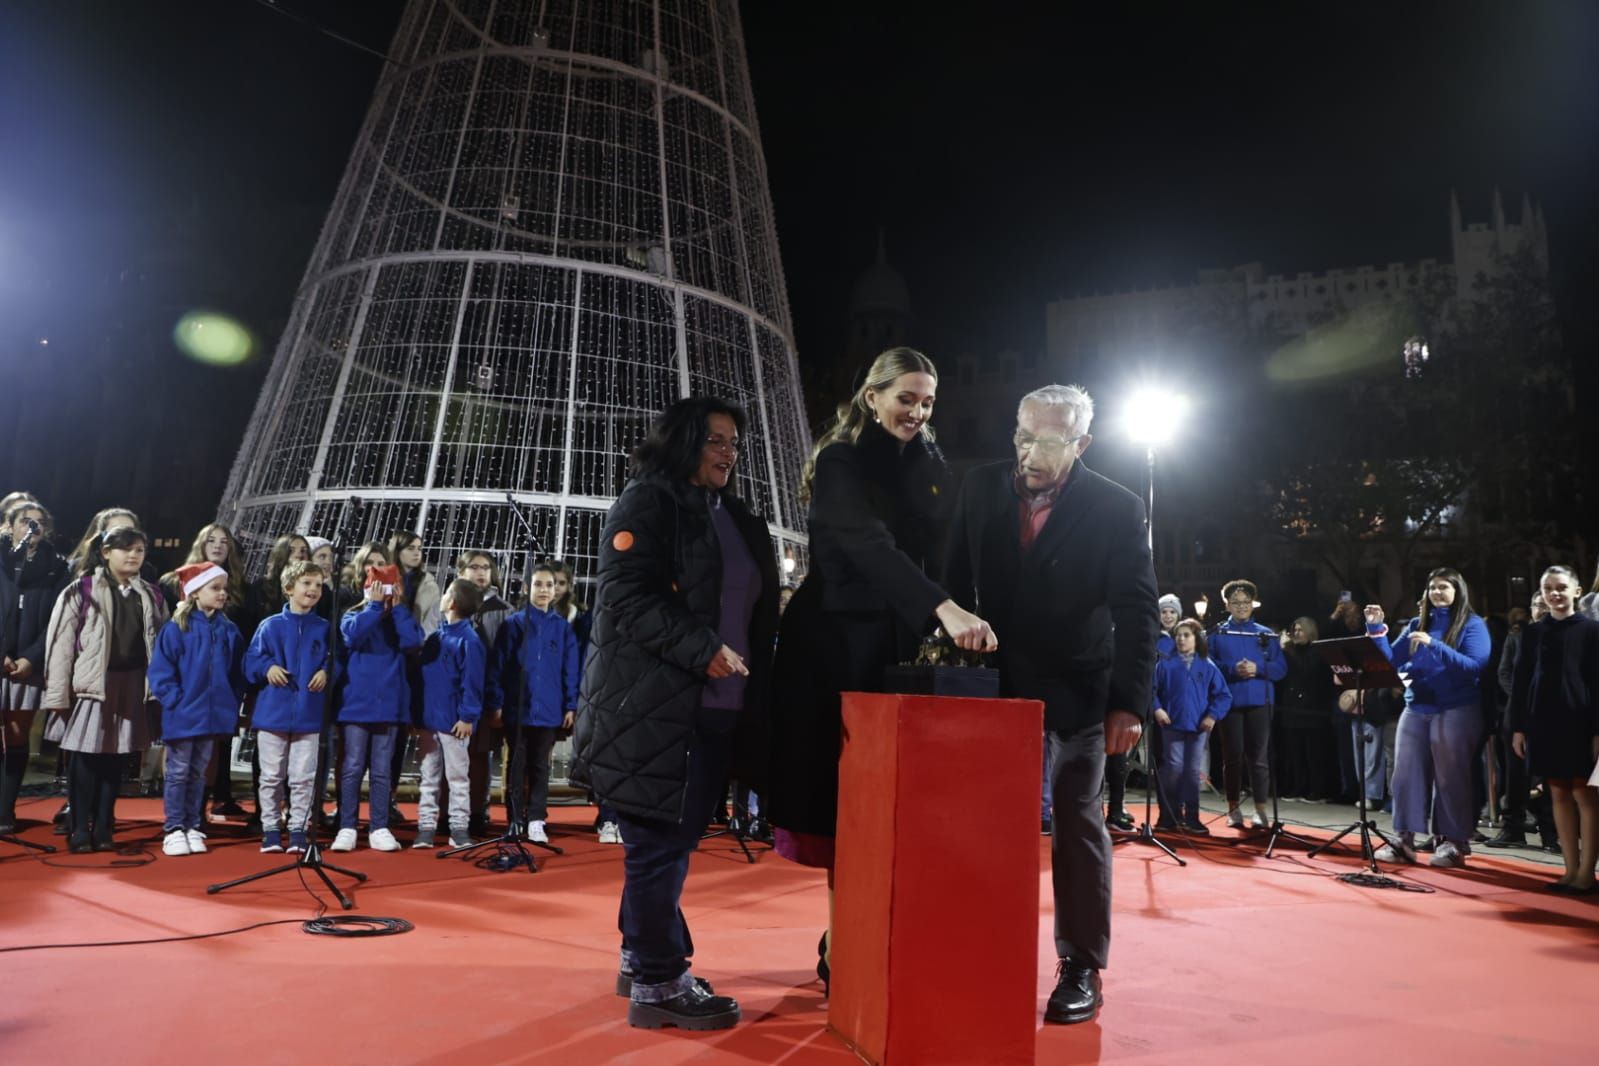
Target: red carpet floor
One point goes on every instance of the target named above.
(1234, 959)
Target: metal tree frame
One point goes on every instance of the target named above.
(555, 222)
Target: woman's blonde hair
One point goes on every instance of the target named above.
(853, 415)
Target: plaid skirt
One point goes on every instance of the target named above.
(121, 723)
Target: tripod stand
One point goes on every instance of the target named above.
(738, 828)
(43, 849)
(1279, 830)
(1146, 831)
(511, 845)
(1357, 665)
(311, 857)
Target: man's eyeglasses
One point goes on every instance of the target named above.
(720, 445)
(1047, 445)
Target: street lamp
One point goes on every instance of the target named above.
(1153, 417)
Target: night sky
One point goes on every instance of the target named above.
(1010, 159)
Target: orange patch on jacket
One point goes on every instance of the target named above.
(623, 541)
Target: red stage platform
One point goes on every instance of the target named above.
(1236, 958)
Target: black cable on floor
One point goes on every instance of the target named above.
(357, 925)
(157, 939)
(1379, 881)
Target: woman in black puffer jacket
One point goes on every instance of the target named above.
(679, 659)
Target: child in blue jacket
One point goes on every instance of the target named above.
(289, 655)
(375, 704)
(1250, 658)
(453, 665)
(1190, 698)
(535, 656)
(194, 675)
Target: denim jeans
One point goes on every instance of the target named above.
(366, 742)
(1373, 759)
(655, 936)
(188, 761)
(1049, 765)
(1183, 757)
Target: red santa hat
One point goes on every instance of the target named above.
(197, 576)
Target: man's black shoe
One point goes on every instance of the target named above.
(477, 827)
(1077, 996)
(1121, 821)
(1048, 827)
(228, 809)
(760, 830)
(1196, 828)
(695, 1009)
(1508, 837)
(8, 826)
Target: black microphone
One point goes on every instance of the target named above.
(33, 531)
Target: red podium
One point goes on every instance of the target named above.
(936, 880)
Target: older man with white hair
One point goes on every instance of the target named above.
(1057, 559)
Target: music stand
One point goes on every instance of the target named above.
(1358, 664)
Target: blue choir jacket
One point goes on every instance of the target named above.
(453, 665)
(299, 644)
(374, 690)
(1230, 642)
(1440, 676)
(535, 657)
(1188, 692)
(195, 677)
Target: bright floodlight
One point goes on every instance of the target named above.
(1154, 415)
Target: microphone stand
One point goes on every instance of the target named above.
(311, 857)
(511, 845)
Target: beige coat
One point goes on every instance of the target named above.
(75, 661)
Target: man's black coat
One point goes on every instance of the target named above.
(1076, 614)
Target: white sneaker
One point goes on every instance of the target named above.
(1446, 855)
(196, 842)
(1398, 851)
(381, 840)
(536, 833)
(345, 841)
(1235, 818)
(609, 834)
(175, 843)
(1260, 820)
